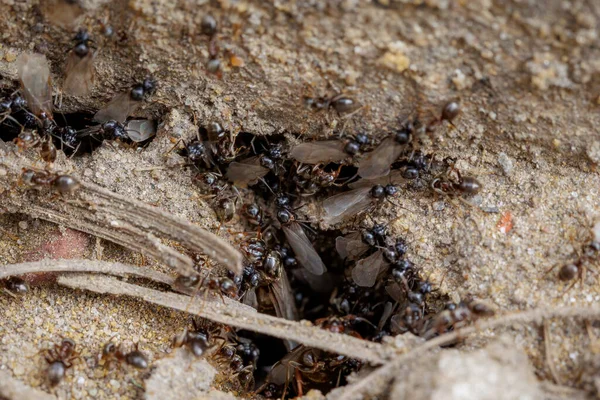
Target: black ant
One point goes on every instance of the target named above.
(62, 183)
(59, 359)
(112, 352)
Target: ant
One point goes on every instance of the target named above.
(456, 316)
(340, 103)
(112, 352)
(62, 183)
(450, 185)
(578, 268)
(221, 285)
(59, 359)
(16, 285)
(197, 341)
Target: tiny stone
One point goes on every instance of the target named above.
(115, 385)
(23, 225)
(593, 152)
(438, 206)
(506, 163)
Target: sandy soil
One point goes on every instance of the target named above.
(526, 75)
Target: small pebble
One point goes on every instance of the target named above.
(115, 384)
(23, 225)
(506, 163)
(439, 206)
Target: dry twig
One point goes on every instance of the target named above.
(74, 265)
(102, 213)
(230, 312)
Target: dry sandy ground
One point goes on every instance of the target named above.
(527, 77)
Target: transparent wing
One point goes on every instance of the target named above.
(388, 310)
(377, 163)
(366, 270)
(250, 299)
(394, 178)
(139, 130)
(64, 13)
(303, 248)
(282, 372)
(79, 74)
(350, 246)
(341, 206)
(395, 292)
(285, 306)
(319, 152)
(34, 73)
(118, 109)
(247, 172)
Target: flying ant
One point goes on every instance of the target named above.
(112, 352)
(297, 239)
(253, 169)
(354, 245)
(274, 278)
(124, 104)
(341, 206)
(377, 162)
(79, 66)
(111, 130)
(59, 359)
(34, 74)
(327, 151)
(62, 183)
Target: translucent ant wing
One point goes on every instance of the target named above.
(319, 152)
(282, 372)
(350, 246)
(139, 130)
(250, 299)
(34, 73)
(79, 74)
(377, 163)
(366, 270)
(283, 298)
(388, 310)
(90, 131)
(118, 109)
(395, 292)
(63, 13)
(344, 205)
(395, 177)
(247, 172)
(306, 254)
